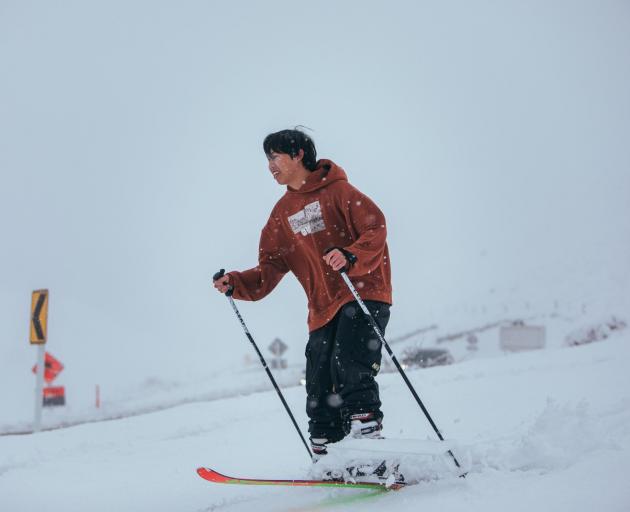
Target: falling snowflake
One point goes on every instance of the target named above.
(334, 400)
(374, 344)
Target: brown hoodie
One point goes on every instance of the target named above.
(325, 212)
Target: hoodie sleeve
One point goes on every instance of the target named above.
(368, 222)
(256, 283)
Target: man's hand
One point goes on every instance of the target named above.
(336, 259)
(222, 284)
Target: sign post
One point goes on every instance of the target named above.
(38, 332)
(39, 389)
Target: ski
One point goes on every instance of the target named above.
(216, 477)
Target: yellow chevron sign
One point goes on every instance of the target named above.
(39, 317)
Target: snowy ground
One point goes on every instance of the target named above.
(544, 430)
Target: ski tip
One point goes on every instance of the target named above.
(212, 475)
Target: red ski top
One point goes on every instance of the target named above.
(325, 212)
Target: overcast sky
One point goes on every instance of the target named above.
(495, 136)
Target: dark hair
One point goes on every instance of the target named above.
(290, 142)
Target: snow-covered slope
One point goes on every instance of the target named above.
(545, 430)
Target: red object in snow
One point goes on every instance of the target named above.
(52, 368)
(54, 396)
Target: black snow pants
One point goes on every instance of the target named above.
(342, 359)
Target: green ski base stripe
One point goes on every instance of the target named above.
(216, 477)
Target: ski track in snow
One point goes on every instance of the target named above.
(546, 430)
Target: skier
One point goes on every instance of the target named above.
(319, 227)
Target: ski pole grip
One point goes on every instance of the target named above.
(218, 275)
(351, 259)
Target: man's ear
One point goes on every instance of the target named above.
(300, 155)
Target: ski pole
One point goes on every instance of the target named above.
(377, 330)
(228, 294)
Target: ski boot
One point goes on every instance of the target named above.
(366, 425)
(318, 447)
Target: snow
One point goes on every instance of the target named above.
(544, 430)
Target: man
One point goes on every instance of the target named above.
(322, 225)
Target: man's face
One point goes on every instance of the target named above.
(283, 167)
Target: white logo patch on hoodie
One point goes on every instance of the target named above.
(308, 221)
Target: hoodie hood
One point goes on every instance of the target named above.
(325, 173)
